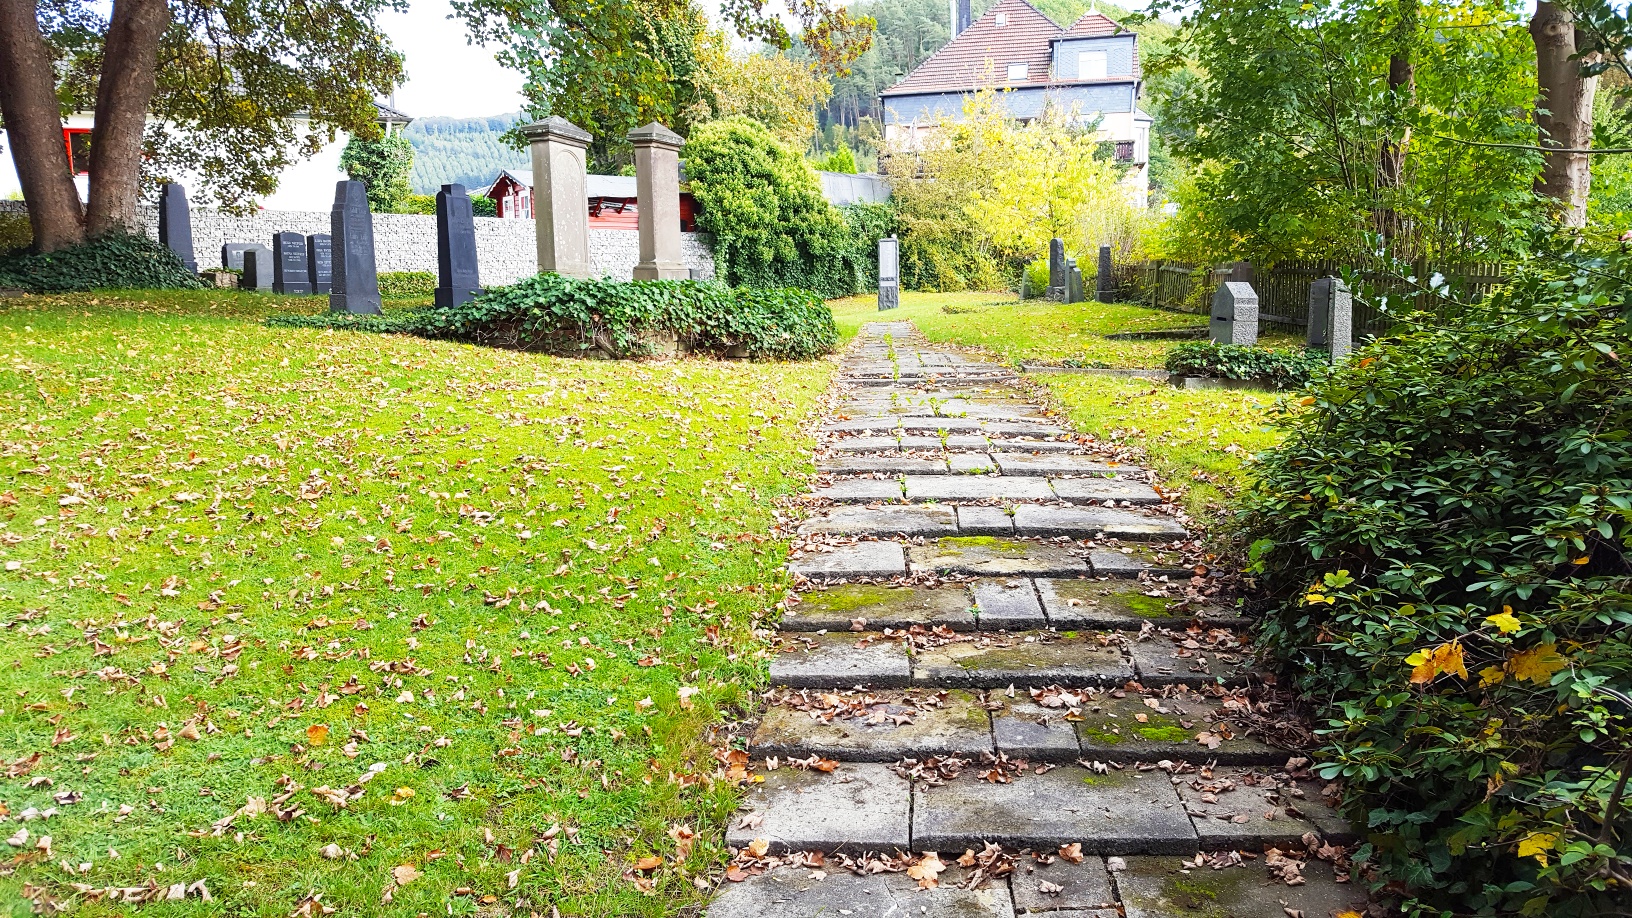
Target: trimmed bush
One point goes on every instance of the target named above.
(1284, 369)
(563, 315)
(16, 234)
(407, 283)
(1445, 535)
(116, 261)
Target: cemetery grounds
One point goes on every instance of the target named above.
(299, 620)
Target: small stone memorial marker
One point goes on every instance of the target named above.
(320, 261)
(257, 260)
(290, 273)
(232, 254)
(1056, 269)
(457, 279)
(1234, 317)
(889, 273)
(1331, 317)
(356, 286)
(1104, 281)
(176, 224)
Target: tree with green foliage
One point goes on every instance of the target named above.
(224, 80)
(842, 159)
(382, 165)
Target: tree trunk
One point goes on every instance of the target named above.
(123, 91)
(28, 101)
(1563, 113)
(1402, 92)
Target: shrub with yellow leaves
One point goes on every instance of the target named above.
(1445, 535)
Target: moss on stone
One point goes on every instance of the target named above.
(1158, 733)
(1144, 606)
(855, 596)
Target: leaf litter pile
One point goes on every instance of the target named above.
(307, 623)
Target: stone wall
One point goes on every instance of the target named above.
(506, 248)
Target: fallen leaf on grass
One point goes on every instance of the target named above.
(404, 874)
(317, 734)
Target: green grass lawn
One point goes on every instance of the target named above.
(415, 627)
(1033, 331)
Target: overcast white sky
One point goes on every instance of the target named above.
(446, 75)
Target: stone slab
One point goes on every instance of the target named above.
(1122, 812)
(985, 521)
(789, 892)
(854, 808)
(1023, 659)
(861, 491)
(1111, 731)
(895, 465)
(884, 521)
(988, 556)
(1118, 603)
(1029, 445)
(840, 660)
(879, 606)
(1084, 522)
(1008, 605)
(1258, 807)
(1095, 490)
(1162, 887)
(987, 487)
(1023, 729)
(895, 727)
(863, 559)
(1164, 660)
(1051, 465)
(866, 445)
(1133, 560)
(972, 464)
(968, 442)
(1083, 887)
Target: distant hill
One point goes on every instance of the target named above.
(463, 150)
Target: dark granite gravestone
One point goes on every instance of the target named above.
(232, 254)
(1104, 282)
(1056, 269)
(1073, 281)
(258, 261)
(1331, 317)
(289, 271)
(889, 273)
(356, 286)
(320, 261)
(176, 224)
(457, 279)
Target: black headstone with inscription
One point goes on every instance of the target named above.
(356, 286)
(289, 271)
(320, 261)
(457, 279)
(176, 224)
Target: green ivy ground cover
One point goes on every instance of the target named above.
(244, 569)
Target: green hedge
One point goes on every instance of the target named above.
(570, 316)
(1285, 369)
(407, 283)
(1445, 534)
(113, 262)
(16, 234)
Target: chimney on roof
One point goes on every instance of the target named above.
(958, 14)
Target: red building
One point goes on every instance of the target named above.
(610, 200)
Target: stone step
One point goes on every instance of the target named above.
(937, 519)
(983, 556)
(1152, 886)
(890, 444)
(1044, 725)
(999, 659)
(908, 424)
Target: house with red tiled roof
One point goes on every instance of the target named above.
(1090, 71)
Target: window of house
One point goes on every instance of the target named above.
(78, 142)
(1018, 72)
(1091, 65)
(1124, 151)
(1002, 19)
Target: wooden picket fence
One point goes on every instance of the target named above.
(1283, 291)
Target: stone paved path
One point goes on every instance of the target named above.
(996, 645)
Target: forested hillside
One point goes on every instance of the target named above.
(468, 151)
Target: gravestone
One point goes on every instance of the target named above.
(560, 198)
(1104, 281)
(176, 224)
(1056, 269)
(457, 279)
(1331, 317)
(1073, 281)
(232, 254)
(258, 261)
(320, 261)
(657, 202)
(355, 287)
(889, 273)
(290, 273)
(1234, 317)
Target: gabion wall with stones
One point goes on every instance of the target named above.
(506, 248)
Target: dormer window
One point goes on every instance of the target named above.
(1091, 65)
(1018, 72)
(1002, 19)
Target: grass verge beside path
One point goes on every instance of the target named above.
(413, 626)
(1196, 439)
